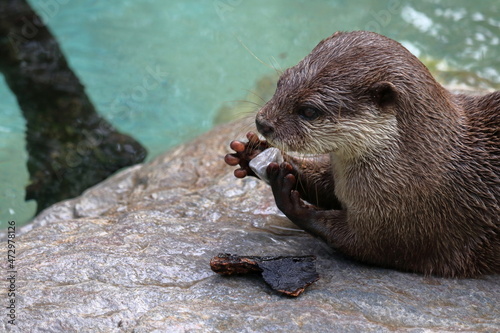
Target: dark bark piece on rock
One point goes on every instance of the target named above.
(287, 275)
(70, 146)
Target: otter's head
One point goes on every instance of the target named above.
(343, 97)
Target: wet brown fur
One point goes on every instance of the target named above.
(410, 178)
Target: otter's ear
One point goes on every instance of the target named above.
(384, 94)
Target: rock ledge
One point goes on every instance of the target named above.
(132, 255)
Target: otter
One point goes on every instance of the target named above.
(393, 169)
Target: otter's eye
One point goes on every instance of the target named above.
(309, 113)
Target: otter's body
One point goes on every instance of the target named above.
(410, 173)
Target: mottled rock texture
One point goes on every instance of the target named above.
(132, 255)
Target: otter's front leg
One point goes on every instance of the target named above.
(314, 178)
(329, 225)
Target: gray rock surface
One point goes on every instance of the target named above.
(132, 255)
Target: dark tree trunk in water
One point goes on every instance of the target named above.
(70, 146)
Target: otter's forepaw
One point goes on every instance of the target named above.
(283, 181)
(244, 153)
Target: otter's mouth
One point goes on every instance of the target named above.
(292, 151)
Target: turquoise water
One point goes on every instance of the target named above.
(160, 70)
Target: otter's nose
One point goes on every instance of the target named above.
(264, 127)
